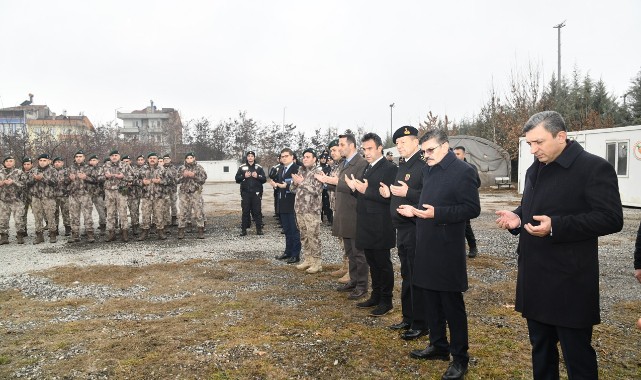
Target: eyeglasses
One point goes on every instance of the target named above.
(431, 150)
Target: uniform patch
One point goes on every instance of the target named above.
(407, 177)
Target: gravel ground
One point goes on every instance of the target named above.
(17, 262)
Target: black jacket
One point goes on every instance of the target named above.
(637, 250)
(410, 172)
(374, 229)
(251, 184)
(286, 198)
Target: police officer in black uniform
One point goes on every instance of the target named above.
(326, 211)
(251, 177)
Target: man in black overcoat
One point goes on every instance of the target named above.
(407, 190)
(375, 234)
(570, 198)
(449, 197)
(286, 199)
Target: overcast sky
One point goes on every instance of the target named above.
(323, 63)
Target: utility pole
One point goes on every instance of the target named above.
(391, 121)
(558, 78)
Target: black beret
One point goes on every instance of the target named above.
(250, 152)
(26, 159)
(44, 155)
(80, 152)
(58, 159)
(125, 157)
(166, 156)
(106, 160)
(310, 150)
(114, 151)
(332, 143)
(8, 158)
(152, 154)
(190, 154)
(139, 156)
(404, 131)
(92, 157)
(389, 153)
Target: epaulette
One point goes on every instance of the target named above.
(257, 166)
(244, 167)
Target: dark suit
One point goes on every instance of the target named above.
(557, 286)
(375, 234)
(344, 225)
(410, 172)
(637, 250)
(286, 211)
(440, 272)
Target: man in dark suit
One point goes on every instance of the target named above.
(344, 225)
(637, 256)
(570, 198)
(286, 211)
(374, 231)
(407, 190)
(449, 197)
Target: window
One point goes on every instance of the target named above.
(617, 156)
(226, 169)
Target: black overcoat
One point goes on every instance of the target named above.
(451, 187)
(558, 275)
(344, 223)
(374, 229)
(410, 172)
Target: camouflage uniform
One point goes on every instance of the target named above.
(97, 193)
(62, 203)
(80, 198)
(171, 196)
(190, 194)
(308, 207)
(152, 203)
(43, 193)
(26, 200)
(116, 194)
(133, 198)
(11, 201)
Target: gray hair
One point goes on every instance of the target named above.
(439, 134)
(552, 122)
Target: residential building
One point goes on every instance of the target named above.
(152, 125)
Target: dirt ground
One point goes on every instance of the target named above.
(240, 314)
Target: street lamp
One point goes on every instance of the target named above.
(391, 120)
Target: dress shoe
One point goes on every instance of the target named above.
(400, 326)
(381, 310)
(371, 302)
(412, 334)
(293, 260)
(431, 353)
(243, 232)
(473, 252)
(346, 288)
(455, 371)
(284, 256)
(356, 294)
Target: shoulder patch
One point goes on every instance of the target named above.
(244, 167)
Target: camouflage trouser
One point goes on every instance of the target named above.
(133, 203)
(155, 208)
(116, 205)
(309, 226)
(99, 202)
(62, 207)
(43, 208)
(80, 204)
(170, 207)
(26, 204)
(191, 207)
(6, 209)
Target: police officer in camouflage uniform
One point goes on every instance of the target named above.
(97, 191)
(133, 196)
(118, 175)
(43, 180)
(27, 165)
(153, 201)
(62, 197)
(308, 205)
(171, 189)
(191, 178)
(251, 177)
(11, 187)
(77, 180)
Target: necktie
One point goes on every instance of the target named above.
(367, 169)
